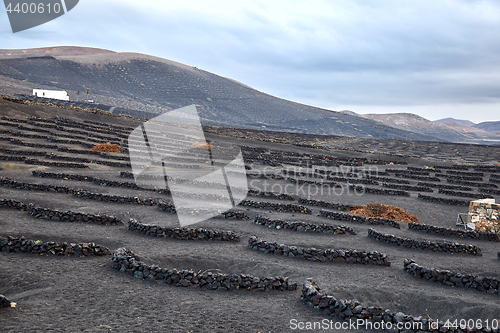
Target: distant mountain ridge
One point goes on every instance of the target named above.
(449, 131)
(155, 85)
(152, 85)
(462, 122)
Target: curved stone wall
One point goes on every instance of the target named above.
(21, 244)
(359, 219)
(473, 234)
(344, 256)
(125, 261)
(424, 244)
(452, 279)
(303, 226)
(182, 233)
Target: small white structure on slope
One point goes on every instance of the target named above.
(55, 94)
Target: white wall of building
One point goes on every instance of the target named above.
(55, 94)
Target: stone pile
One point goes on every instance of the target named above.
(21, 244)
(319, 255)
(473, 234)
(485, 214)
(303, 226)
(125, 261)
(443, 200)
(424, 244)
(359, 219)
(468, 281)
(182, 233)
(379, 317)
(371, 190)
(56, 215)
(319, 203)
(290, 208)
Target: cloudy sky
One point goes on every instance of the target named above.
(434, 58)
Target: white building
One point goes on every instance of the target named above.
(55, 94)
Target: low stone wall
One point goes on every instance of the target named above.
(418, 177)
(12, 158)
(23, 152)
(303, 226)
(424, 244)
(55, 164)
(270, 195)
(452, 167)
(29, 144)
(311, 182)
(489, 191)
(359, 219)
(234, 215)
(487, 168)
(473, 234)
(461, 177)
(7, 182)
(182, 233)
(125, 261)
(472, 174)
(456, 202)
(319, 203)
(290, 208)
(13, 204)
(370, 190)
(380, 318)
(468, 281)
(408, 187)
(319, 255)
(21, 244)
(388, 180)
(167, 206)
(462, 194)
(96, 180)
(467, 183)
(56, 215)
(444, 186)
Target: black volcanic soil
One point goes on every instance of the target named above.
(65, 294)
